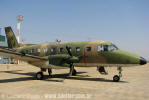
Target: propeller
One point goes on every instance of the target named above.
(68, 50)
(71, 64)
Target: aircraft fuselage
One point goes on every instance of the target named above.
(90, 53)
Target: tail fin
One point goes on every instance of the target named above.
(11, 38)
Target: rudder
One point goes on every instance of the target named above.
(11, 38)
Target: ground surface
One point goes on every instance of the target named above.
(17, 82)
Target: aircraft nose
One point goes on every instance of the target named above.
(142, 61)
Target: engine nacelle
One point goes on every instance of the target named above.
(62, 59)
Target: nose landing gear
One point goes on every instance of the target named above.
(116, 78)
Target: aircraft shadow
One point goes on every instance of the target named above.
(17, 72)
(32, 74)
(79, 77)
(17, 79)
(54, 77)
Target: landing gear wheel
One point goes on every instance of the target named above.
(116, 78)
(39, 76)
(50, 71)
(74, 72)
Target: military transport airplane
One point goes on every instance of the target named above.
(59, 55)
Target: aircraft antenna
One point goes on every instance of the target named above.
(58, 41)
(19, 19)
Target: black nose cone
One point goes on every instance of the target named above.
(142, 61)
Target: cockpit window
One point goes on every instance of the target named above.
(107, 47)
(88, 48)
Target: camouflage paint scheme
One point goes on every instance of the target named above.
(41, 55)
(12, 41)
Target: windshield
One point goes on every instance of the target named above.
(107, 47)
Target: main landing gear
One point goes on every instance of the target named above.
(116, 78)
(72, 72)
(40, 76)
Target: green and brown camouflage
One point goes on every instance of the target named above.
(86, 58)
(11, 39)
(84, 53)
(60, 55)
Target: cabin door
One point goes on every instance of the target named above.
(89, 54)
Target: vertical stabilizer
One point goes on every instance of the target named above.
(11, 38)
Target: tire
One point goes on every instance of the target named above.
(116, 78)
(39, 76)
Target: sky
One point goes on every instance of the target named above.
(122, 22)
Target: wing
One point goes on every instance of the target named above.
(59, 60)
(21, 56)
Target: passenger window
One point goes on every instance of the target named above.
(61, 50)
(88, 48)
(53, 50)
(77, 49)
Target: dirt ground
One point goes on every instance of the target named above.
(17, 82)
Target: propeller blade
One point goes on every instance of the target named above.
(71, 64)
(68, 50)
